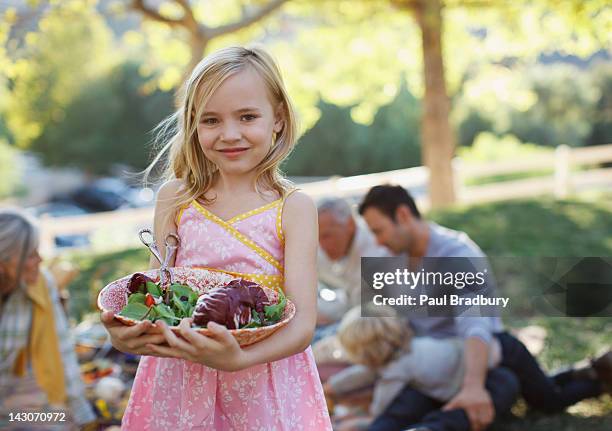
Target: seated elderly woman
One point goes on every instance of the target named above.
(38, 366)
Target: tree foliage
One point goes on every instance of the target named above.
(9, 175)
(353, 54)
(179, 32)
(5, 64)
(455, 39)
(601, 131)
(51, 67)
(108, 122)
(336, 145)
(547, 104)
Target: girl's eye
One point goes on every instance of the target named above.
(249, 117)
(209, 121)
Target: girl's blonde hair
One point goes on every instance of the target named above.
(373, 341)
(178, 132)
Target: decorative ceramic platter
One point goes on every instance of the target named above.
(114, 296)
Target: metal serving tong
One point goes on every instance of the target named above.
(172, 243)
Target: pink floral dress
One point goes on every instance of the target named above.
(174, 394)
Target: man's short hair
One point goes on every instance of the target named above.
(338, 207)
(387, 198)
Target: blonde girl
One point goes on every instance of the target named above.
(227, 201)
(374, 341)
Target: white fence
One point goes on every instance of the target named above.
(573, 169)
(563, 181)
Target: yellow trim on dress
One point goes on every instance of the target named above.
(272, 281)
(180, 214)
(248, 214)
(239, 236)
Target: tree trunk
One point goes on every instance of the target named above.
(197, 46)
(438, 142)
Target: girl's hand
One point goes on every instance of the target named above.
(131, 339)
(220, 350)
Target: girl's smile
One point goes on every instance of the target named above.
(233, 153)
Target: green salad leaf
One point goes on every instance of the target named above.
(180, 308)
(134, 310)
(181, 291)
(255, 322)
(136, 298)
(182, 303)
(153, 289)
(164, 311)
(274, 313)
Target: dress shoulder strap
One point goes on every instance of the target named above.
(180, 211)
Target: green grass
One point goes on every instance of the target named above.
(545, 227)
(536, 227)
(587, 415)
(542, 227)
(97, 270)
(489, 179)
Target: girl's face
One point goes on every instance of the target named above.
(29, 273)
(237, 125)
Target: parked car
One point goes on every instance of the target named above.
(64, 208)
(110, 194)
(105, 194)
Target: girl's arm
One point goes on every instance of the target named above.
(164, 219)
(134, 339)
(351, 379)
(300, 227)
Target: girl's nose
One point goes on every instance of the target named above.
(230, 132)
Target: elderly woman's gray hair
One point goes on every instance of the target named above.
(337, 207)
(18, 236)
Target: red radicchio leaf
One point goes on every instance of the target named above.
(244, 315)
(138, 283)
(217, 305)
(230, 305)
(251, 294)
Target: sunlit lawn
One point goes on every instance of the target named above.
(544, 227)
